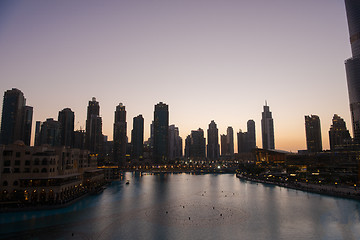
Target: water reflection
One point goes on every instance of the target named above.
(184, 206)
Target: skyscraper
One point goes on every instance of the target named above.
(137, 137)
(50, 132)
(94, 136)
(224, 145)
(175, 143)
(352, 65)
(120, 138)
(161, 132)
(16, 118)
(242, 138)
(37, 133)
(230, 141)
(267, 129)
(313, 133)
(251, 135)
(338, 133)
(213, 148)
(66, 118)
(196, 145)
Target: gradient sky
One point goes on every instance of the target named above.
(208, 59)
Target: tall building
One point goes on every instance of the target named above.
(16, 118)
(120, 137)
(27, 124)
(94, 137)
(230, 141)
(161, 132)
(196, 145)
(313, 134)
(37, 133)
(224, 145)
(175, 143)
(213, 148)
(50, 133)
(338, 133)
(242, 139)
(66, 118)
(137, 138)
(267, 129)
(251, 135)
(352, 65)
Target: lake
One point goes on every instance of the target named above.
(186, 206)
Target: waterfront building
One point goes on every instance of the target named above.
(46, 174)
(66, 118)
(16, 119)
(230, 141)
(187, 146)
(50, 132)
(242, 139)
(120, 137)
(196, 145)
(137, 138)
(352, 65)
(161, 132)
(94, 136)
(175, 143)
(267, 129)
(213, 148)
(313, 134)
(251, 135)
(338, 133)
(224, 145)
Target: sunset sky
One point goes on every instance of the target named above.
(207, 59)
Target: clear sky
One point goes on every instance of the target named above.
(207, 59)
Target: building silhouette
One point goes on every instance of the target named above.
(66, 118)
(313, 134)
(37, 133)
(352, 65)
(161, 132)
(338, 133)
(267, 129)
(16, 119)
(175, 143)
(50, 133)
(242, 139)
(230, 141)
(247, 140)
(251, 135)
(213, 148)
(94, 137)
(137, 138)
(224, 145)
(195, 145)
(120, 137)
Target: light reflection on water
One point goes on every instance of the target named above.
(184, 206)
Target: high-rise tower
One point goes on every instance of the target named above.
(267, 128)
(313, 133)
(338, 133)
(352, 65)
(66, 118)
(137, 137)
(120, 138)
(16, 118)
(161, 132)
(213, 148)
(251, 135)
(94, 136)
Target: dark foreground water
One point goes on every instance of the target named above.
(183, 206)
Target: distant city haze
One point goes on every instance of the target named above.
(207, 60)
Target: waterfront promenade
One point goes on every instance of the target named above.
(352, 192)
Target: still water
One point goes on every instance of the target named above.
(184, 206)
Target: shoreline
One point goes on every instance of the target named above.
(327, 190)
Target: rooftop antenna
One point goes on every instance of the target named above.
(265, 103)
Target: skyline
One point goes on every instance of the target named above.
(200, 59)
